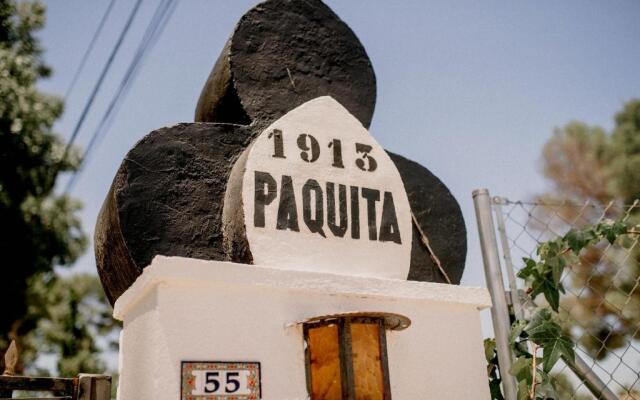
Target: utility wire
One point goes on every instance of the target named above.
(85, 57)
(96, 88)
(150, 37)
(152, 33)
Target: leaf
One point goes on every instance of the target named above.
(612, 229)
(521, 369)
(610, 236)
(542, 329)
(521, 348)
(551, 294)
(545, 389)
(489, 349)
(575, 240)
(516, 329)
(550, 291)
(528, 269)
(579, 239)
(549, 249)
(557, 265)
(523, 390)
(552, 351)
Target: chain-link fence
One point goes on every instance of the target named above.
(600, 310)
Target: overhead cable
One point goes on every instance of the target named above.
(103, 74)
(85, 57)
(153, 31)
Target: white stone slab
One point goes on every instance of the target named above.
(191, 310)
(318, 193)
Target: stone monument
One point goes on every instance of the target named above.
(268, 249)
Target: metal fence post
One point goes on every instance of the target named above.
(493, 274)
(508, 262)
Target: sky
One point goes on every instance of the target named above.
(469, 89)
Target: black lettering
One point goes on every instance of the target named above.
(355, 213)
(337, 153)
(287, 212)
(308, 154)
(372, 196)
(341, 229)
(389, 231)
(265, 192)
(316, 222)
(278, 143)
(371, 162)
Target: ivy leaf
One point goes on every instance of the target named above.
(612, 229)
(552, 351)
(545, 389)
(549, 249)
(576, 240)
(543, 329)
(579, 239)
(557, 265)
(489, 349)
(516, 330)
(529, 268)
(521, 369)
(520, 348)
(551, 292)
(523, 390)
(550, 289)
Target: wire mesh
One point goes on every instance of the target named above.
(601, 307)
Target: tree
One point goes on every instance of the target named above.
(624, 154)
(589, 164)
(70, 314)
(537, 339)
(40, 229)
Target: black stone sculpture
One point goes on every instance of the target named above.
(167, 196)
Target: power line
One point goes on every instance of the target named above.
(153, 31)
(96, 88)
(150, 37)
(85, 57)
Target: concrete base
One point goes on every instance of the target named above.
(183, 309)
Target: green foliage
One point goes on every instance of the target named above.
(586, 162)
(69, 313)
(624, 152)
(40, 229)
(589, 164)
(544, 276)
(493, 369)
(543, 331)
(532, 372)
(576, 159)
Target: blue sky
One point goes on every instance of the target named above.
(469, 89)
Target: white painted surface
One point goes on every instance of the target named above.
(186, 310)
(327, 122)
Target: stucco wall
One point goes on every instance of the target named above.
(192, 310)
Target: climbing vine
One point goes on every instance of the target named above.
(538, 341)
